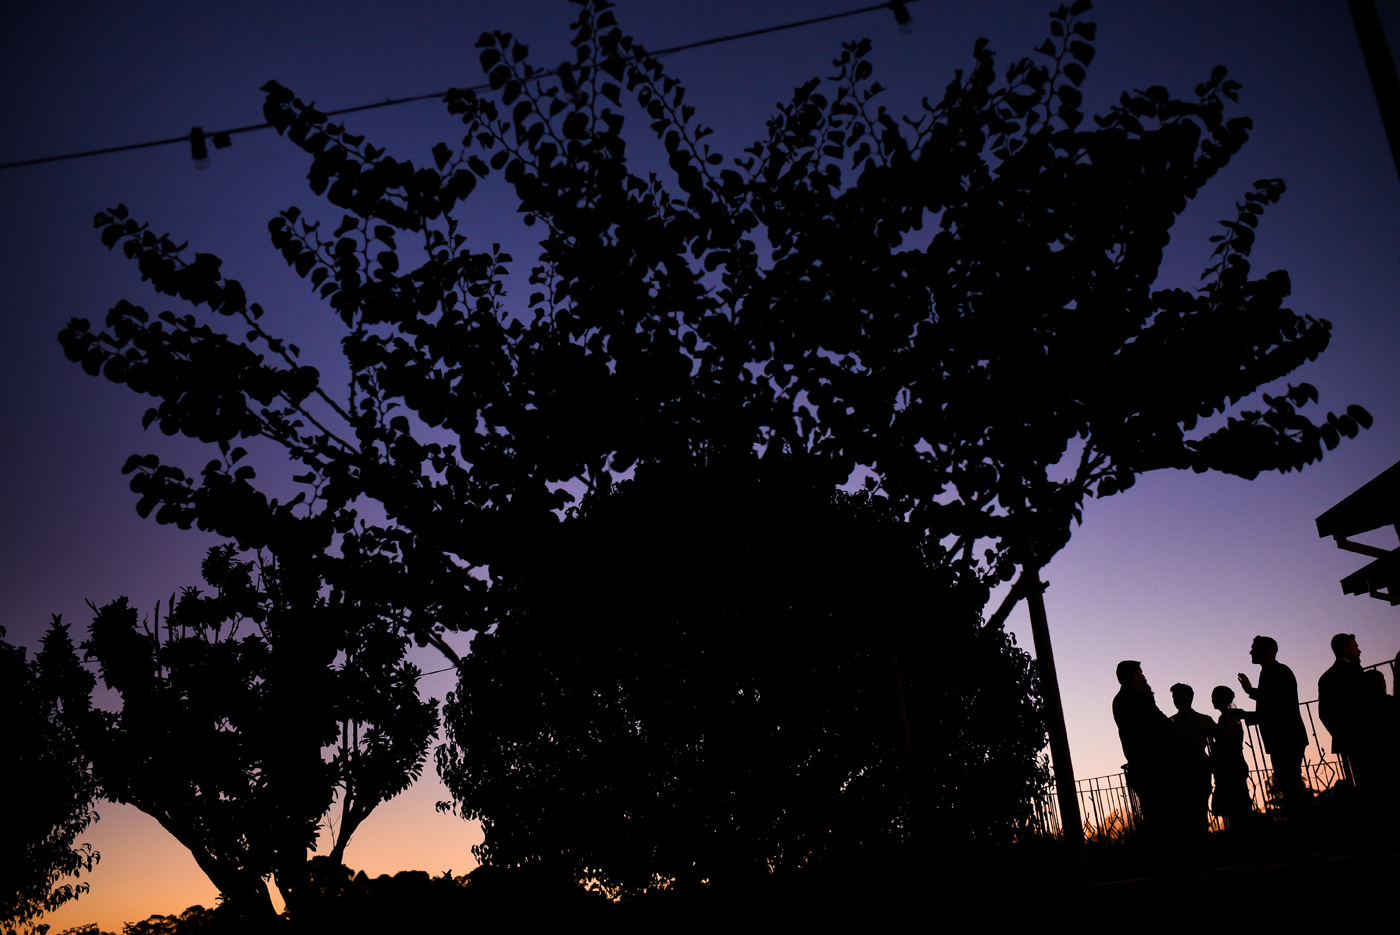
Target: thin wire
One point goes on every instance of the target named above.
(393, 102)
(421, 675)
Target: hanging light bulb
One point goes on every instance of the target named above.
(901, 16)
(199, 152)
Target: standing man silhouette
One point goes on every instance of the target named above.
(1194, 733)
(1280, 724)
(1341, 703)
(1151, 748)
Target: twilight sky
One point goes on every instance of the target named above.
(1180, 572)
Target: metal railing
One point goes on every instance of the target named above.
(1109, 807)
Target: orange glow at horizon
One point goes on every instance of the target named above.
(144, 871)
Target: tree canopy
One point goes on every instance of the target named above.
(226, 708)
(960, 307)
(958, 311)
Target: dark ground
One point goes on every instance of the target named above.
(1333, 868)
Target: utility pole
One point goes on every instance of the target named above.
(1381, 66)
(1071, 823)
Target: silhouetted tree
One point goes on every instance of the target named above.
(226, 708)
(959, 309)
(49, 791)
(196, 920)
(987, 375)
(716, 674)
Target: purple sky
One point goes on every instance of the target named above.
(1180, 572)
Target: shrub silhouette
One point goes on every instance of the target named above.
(732, 671)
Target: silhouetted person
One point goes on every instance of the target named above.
(1384, 713)
(1194, 731)
(1341, 703)
(1276, 713)
(1150, 746)
(1232, 802)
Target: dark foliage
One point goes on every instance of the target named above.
(718, 674)
(196, 920)
(48, 791)
(226, 708)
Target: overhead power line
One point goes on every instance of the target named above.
(222, 138)
(423, 675)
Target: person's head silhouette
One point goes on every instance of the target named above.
(1263, 649)
(1130, 675)
(1344, 647)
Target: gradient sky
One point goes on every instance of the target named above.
(1180, 572)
